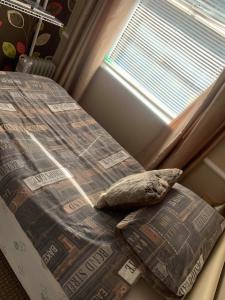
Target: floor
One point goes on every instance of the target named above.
(10, 288)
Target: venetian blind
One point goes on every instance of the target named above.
(172, 50)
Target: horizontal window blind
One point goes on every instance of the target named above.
(172, 50)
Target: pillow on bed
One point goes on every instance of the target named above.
(173, 239)
(139, 190)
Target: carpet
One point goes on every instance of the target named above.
(10, 287)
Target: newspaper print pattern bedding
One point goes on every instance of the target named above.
(54, 162)
(173, 239)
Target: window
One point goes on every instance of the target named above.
(172, 50)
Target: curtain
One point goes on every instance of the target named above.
(92, 28)
(192, 132)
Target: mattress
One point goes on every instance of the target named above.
(54, 162)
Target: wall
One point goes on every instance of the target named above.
(207, 177)
(17, 29)
(118, 109)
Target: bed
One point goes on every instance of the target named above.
(55, 160)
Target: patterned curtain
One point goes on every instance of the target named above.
(17, 30)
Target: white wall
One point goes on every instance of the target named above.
(207, 177)
(119, 110)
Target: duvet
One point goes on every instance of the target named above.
(55, 160)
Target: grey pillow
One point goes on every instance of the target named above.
(139, 190)
(173, 239)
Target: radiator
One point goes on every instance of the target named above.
(33, 65)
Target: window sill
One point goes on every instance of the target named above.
(146, 101)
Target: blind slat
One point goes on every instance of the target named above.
(149, 73)
(181, 67)
(191, 34)
(172, 32)
(157, 88)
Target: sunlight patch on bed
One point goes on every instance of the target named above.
(64, 170)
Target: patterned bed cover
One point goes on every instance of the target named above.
(54, 162)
